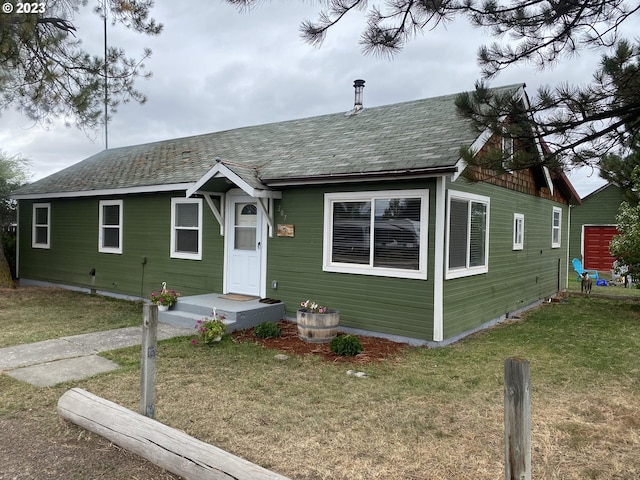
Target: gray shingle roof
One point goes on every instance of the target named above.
(417, 135)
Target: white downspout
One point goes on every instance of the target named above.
(438, 261)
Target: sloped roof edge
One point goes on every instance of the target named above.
(361, 176)
(600, 189)
(567, 188)
(106, 192)
(520, 94)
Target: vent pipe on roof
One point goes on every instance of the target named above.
(358, 85)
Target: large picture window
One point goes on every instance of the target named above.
(468, 235)
(377, 233)
(186, 228)
(41, 231)
(556, 225)
(110, 232)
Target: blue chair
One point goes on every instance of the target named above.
(577, 266)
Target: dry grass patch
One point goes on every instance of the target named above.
(593, 435)
(32, 314)
(428, 414)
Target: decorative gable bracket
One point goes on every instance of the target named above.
(264, 196)
(266, 205)
(218, 213)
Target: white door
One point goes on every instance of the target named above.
(244, 236)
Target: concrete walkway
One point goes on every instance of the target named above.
(50, 362)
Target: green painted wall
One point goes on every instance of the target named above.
(146, 233)
(598, 208)
(516, 278)
(391, 305)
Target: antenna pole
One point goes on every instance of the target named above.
(106, 96)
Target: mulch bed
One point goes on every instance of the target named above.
(374, 349)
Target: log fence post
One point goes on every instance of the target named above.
(517, 419)
(148, 361)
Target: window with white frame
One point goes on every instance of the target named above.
(556, 226)
(468, 234)
(41, 228)
(110, 226)
(377, 233)
(507, 146)
(186, 228)
(518, 231)
(507, 151)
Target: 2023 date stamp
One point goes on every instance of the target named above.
(24, 7)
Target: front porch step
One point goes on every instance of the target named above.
(239, 315)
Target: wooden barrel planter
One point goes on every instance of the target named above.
(318, 327)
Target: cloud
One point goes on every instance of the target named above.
(217, 69)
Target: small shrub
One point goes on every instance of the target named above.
(267, 330)
(346, 346)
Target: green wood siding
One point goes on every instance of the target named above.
(146, 233)
(395, 306)
(599, 208)
(390, 305)
(516, 278)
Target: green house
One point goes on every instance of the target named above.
(365, 212)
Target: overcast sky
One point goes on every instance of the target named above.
(217, 69)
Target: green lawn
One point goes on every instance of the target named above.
(425, 414)
(610, 289)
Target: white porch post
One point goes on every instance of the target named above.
(438, 261)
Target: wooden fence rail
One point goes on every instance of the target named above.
(164, 446)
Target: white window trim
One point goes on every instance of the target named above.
(518, 218)
(329, 266)
(557, 244)
(186, 255)
(101, 248)
(467, 271)
(34, 225)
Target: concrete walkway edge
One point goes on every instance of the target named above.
(50, 362)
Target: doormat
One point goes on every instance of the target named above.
(238, 297)
(269, 301)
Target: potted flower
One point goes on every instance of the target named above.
(316, 323)
(211, 328)
(164, 298)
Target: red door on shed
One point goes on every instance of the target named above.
(596, 247)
